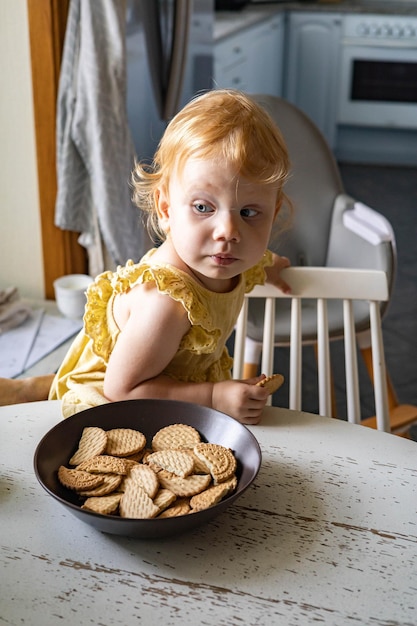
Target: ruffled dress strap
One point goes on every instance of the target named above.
(200, 305)
(99, 323)
(256, 275)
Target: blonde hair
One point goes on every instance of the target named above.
(224, 125)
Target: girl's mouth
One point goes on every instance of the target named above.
(223, 259)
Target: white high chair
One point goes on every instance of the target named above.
(316, 287)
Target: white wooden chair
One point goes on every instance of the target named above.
(328, 229)
(323, 284)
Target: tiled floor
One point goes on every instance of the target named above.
(393, 192)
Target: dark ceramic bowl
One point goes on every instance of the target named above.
(148, 416)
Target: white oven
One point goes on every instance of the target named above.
(378, 76)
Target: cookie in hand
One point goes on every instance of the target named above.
(272, 383)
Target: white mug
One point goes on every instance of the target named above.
(70, 294)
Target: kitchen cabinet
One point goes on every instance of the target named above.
(312, 66)
(252, 59)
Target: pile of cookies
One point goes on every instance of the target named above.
(179, 474)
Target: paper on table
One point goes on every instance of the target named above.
(53, 331)
(16, 345)
(25, 345)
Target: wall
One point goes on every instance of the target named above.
(21, 261)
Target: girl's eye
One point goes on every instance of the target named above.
(202, 208)
(248, 212)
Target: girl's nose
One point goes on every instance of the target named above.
(226, 227)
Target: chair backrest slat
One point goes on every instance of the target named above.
(295, 355)
(240, 335)
(378, 359)
(269, 333)
(323, 355)
(352, 378)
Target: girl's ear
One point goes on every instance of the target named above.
(162, 208)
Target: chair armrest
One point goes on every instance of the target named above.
(368, 224)
(366, 241)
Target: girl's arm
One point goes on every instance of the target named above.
(152, 326)
(243, 400)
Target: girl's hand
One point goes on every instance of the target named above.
(243, 400)
(273, 273)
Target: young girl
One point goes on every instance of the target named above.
(158, 329)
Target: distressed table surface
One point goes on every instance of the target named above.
(327, 534)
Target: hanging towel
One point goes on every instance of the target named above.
(95, 151)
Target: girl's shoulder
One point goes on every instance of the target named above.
(99, 323)
(167, 279)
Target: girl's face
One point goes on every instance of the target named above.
(217, 223)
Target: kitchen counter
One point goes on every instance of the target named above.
(229, 22)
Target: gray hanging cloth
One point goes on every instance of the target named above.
(95, 152)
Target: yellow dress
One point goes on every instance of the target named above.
(202, 354)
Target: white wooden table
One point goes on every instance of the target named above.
(326, 534)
